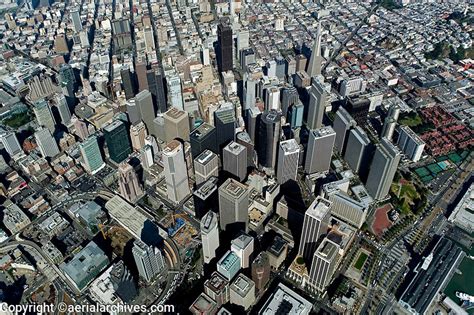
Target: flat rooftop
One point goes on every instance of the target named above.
(242, 285)
(234, 147)
(234, 188)
(207, 189)
(174, 113)
(203, 130)
(463, 214)
(205, 157)
(286, 301)
(290, 146)
(228, 260)
(323, 132)
(319, 208)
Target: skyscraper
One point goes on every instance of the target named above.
(209, 236)
(224, 46)
(46, 143)
(295, 115)
(118, 142)
(133, 112)
(67, 80)
(129, 186)
(176, 124)
(357, 149)
(315, 62)
(319, 150)
(205, 198)
(91, 155)
(233, 204)
(289, 97)
(10, 142)
(123, 283)
(202, 138)
(76, 20)
(176, 174)
(243, 138)
(382, 170)
(343, 122)
(144, 103)
(323, 264)
(261, 270)
(157, 89)
(268, 138)
(63, 109)
(318, 100)
(175, 94)
(140, 70)
(235, 160)
(43, 114)
(128, 83)
(224, 120)
(137, 135)
(316, 220)
(206, 165)
(390, 122)
(80, 127)
(288, 157)
(149, 260)
(410, 143)
(272, 98)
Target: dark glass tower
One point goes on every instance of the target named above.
(157, 89)
(224, 46)
(224, 120)
(118, 141)
(128, 83)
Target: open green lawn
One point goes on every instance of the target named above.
(360, 261)
(17, 120)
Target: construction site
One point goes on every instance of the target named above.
(179, 228)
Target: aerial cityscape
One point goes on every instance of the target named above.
(236, 157)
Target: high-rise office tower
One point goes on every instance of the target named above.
(76, 20)
(175, 94)
(176, 174)
(272, 98)
(10, 142)
(253, 123)
(243, 247)
(224, 120)
(118, 141)
(410, 143)
(301, 62)
(91, 155)
(390, 122)
(319, 150)
(43, 114)
(63, 109)
(40, 86)
(67, 80)
(137, 135)
(206, 165)
(357, 150)
(144, 103)
(224, 46)
(261, 270)
(176, 124)
(247, 57)
(128, 83)
(288, 157)
(243, 138)
(157, 89)
(289, 97)
(280, 67)
(249, 93)
(129, 186)
(122, 282)
(140, 70)
(268, 138)
(235, 160)
(149, 39)
(342, 124)
(323, 264)
(146, 156)
(80, 127)
(295, 115)
(202, 138)
(290, 68)
(242, 41)
(209, 236)
(149, 260)
(318, 100)
(46, 143)
(316, 220)
(205, 198)
(133, 112)
(382, 170)
(316, 60)
(233, 204)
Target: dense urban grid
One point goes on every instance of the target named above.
(233, 157)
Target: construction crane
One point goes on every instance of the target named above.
(104, 235)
